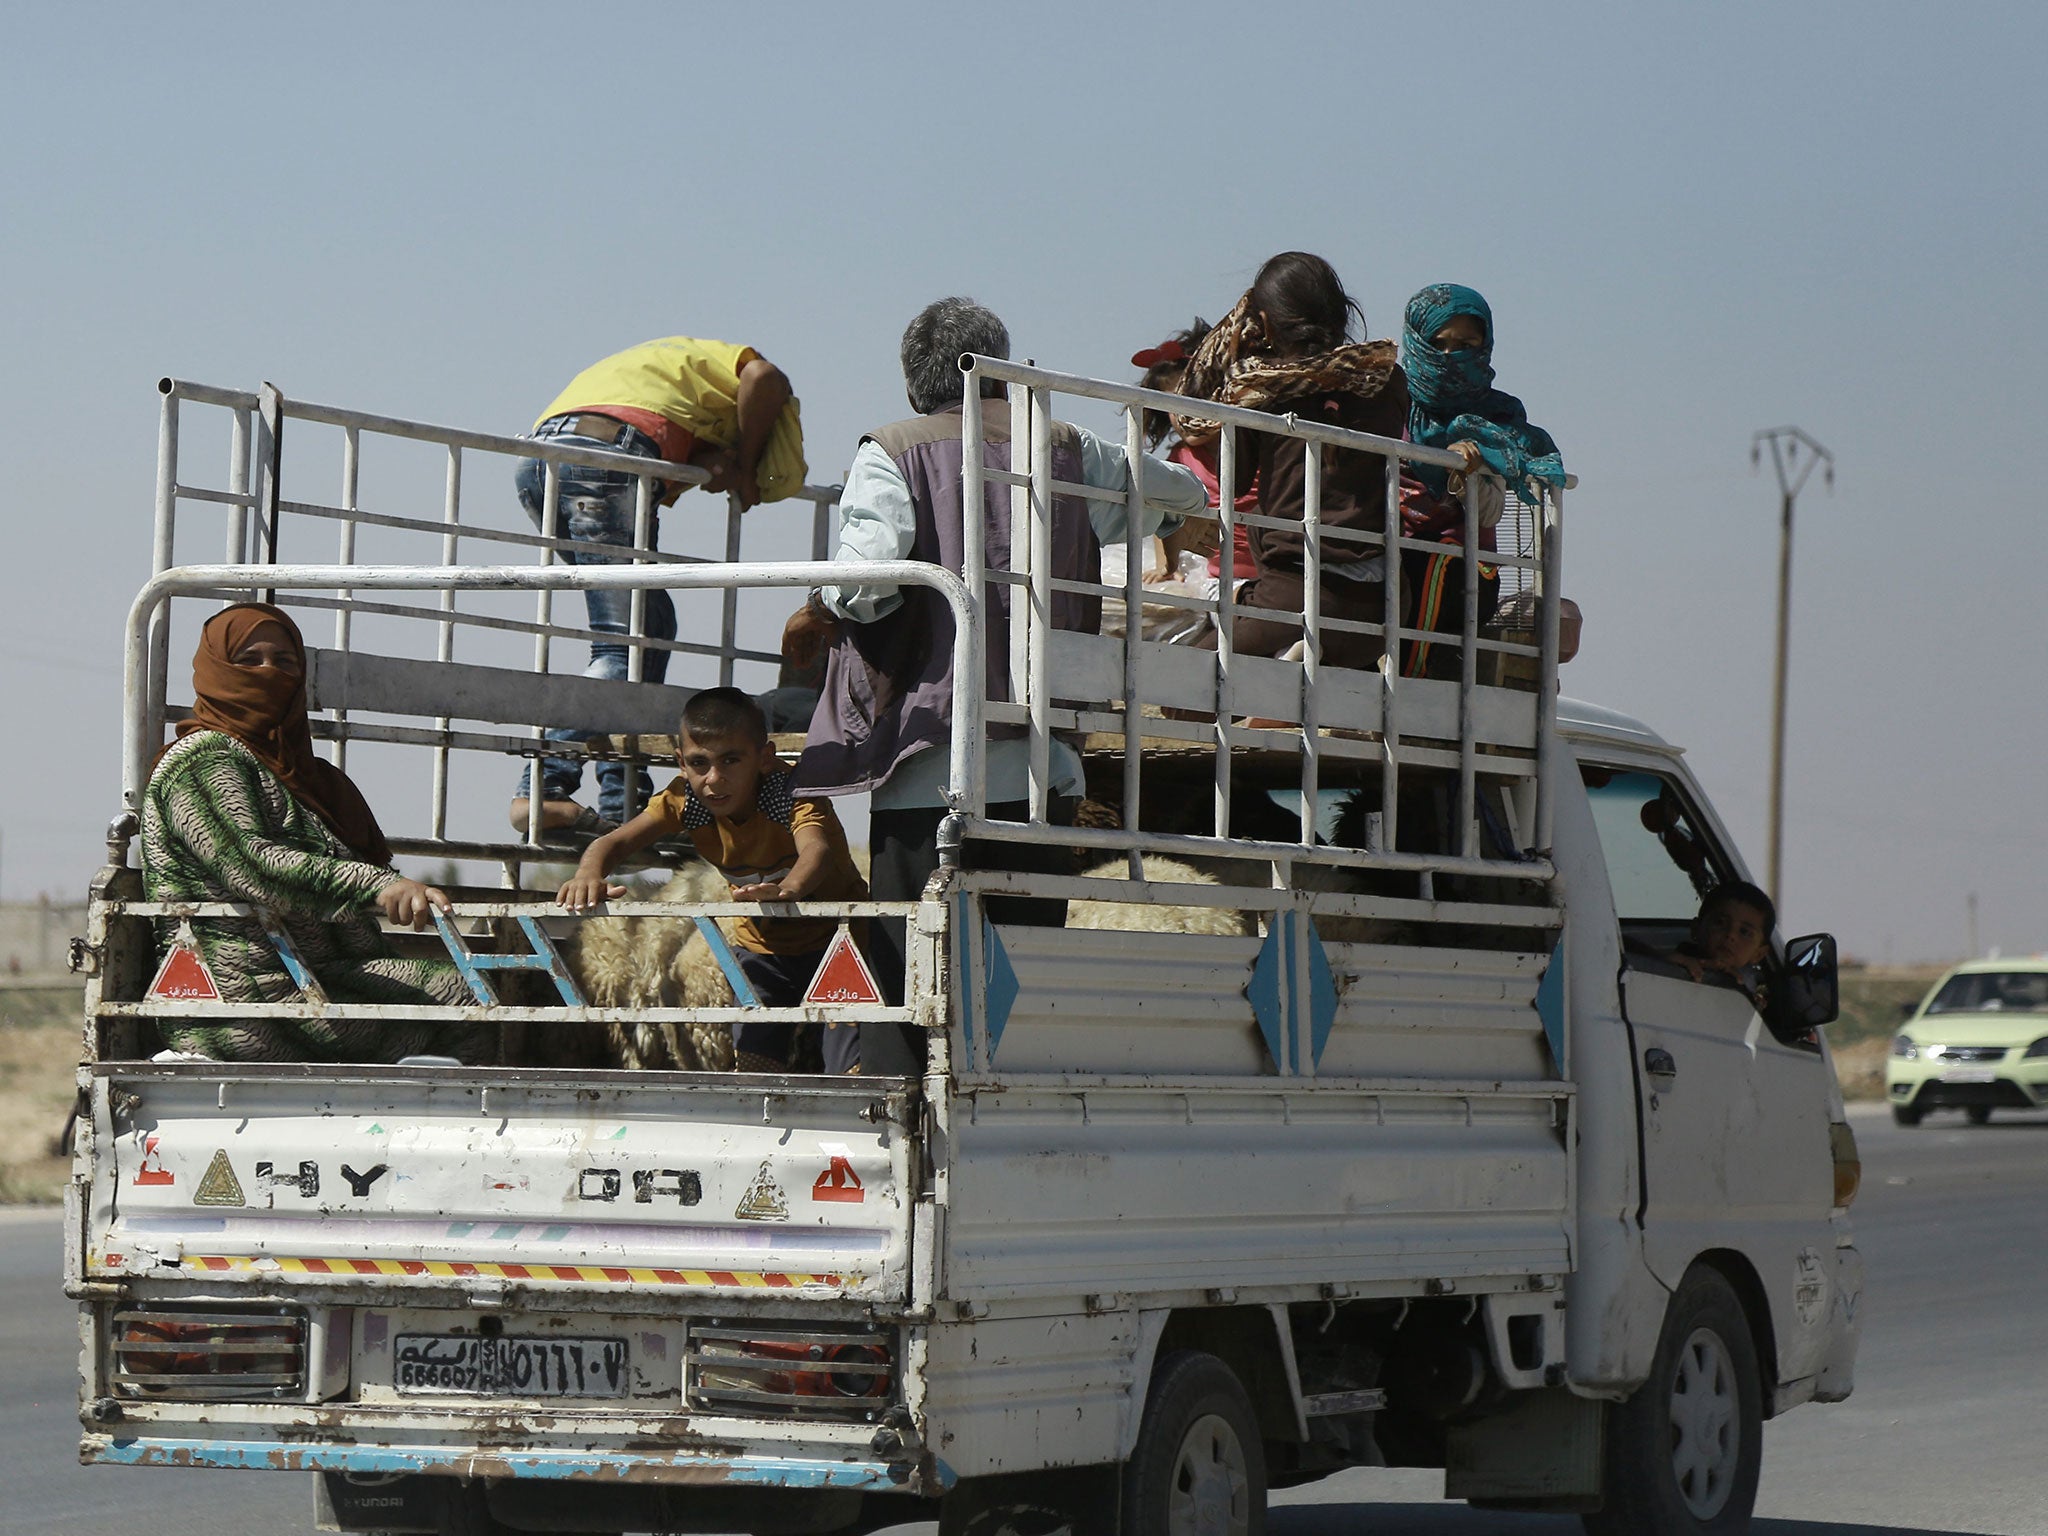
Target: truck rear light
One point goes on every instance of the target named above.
(1848, 1161)
(819, 1373)
(252, 1355)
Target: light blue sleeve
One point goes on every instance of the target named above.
(1171, 492)
(876, 522)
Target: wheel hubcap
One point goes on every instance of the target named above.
(1706, 1429)
(1211, 1492)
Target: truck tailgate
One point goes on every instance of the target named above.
(695, 1182)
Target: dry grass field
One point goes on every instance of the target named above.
(39, 1027)
(1873, 1002)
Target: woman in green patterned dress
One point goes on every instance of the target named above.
(239, 808)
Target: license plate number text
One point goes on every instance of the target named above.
(508, 1367)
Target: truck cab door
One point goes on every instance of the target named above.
(1733, 1119)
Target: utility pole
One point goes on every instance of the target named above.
(1794, 456)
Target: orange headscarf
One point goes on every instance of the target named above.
(265, 709)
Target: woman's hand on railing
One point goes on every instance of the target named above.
(1469, 452)
(580, 892)
(410, 904)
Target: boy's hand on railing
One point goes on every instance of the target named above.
(809, 631)
(579, 893)
(765, 890)
(409, 903)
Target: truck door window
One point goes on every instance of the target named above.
(1659, 862)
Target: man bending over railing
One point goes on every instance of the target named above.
(722, 408)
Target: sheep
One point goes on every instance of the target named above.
(664, 962)
(658, 962)
(1141, 916)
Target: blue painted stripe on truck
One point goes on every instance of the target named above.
(297, 1456)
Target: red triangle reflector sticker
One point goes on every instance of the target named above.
(183, 977)
(844, 976)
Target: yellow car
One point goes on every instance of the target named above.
(1978, 1042)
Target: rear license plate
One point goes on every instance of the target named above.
(503, 1367)
(1970, 1075)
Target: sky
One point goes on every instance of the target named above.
(1692, 223)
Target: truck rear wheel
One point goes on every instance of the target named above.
(1683, 1453)
(1198, 1468)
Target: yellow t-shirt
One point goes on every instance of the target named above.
(695, 384)
(763, 848)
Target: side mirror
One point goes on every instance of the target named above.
(1810, 994)
(1907, 1010)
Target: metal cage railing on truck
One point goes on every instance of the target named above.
(1379, 717)
(1143, 695)
(1337, 716)
(1312, 718)
(263, 525)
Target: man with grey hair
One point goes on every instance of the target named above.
(886, 711)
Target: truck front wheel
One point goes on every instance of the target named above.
(1199, 1468)
(1683, 1453)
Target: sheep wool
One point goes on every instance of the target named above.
(1132, 916)
(658, 962)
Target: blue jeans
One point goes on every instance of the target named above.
(597, 506)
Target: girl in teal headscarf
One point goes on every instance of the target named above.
(1447, 353)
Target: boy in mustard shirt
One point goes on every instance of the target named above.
(734, 803)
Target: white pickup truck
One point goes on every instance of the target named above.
(1418, 1154)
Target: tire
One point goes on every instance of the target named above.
(1978, 1114)
(1907, 1114)
(1199, 1468)
(1010, 1504)
(1683, 1454)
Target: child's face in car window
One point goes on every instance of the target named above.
(1731, 935)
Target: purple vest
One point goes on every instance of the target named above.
(888, 690)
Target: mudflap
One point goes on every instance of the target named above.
(1542, 1452)
(382, 1501)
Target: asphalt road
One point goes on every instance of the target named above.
(1947, 1431)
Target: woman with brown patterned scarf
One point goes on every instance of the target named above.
(1283, 348)
(240, 809)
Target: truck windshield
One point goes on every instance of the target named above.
(1992, 992)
